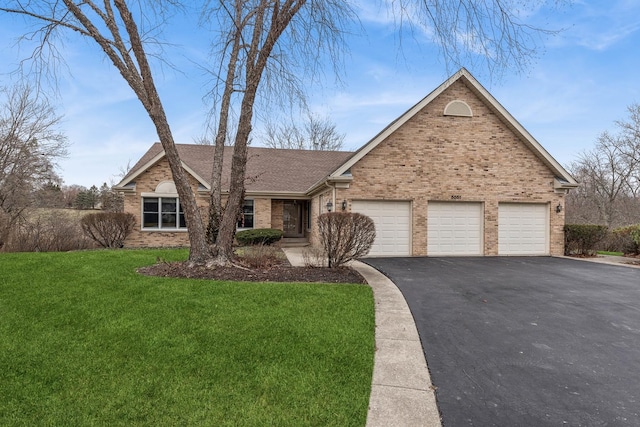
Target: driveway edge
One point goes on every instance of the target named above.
(401, 390)
(610, 260)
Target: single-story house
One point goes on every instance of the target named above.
(454, 175)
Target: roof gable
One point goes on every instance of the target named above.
(468, 80)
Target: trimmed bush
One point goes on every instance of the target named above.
(581, 239)
(258, 236)
(629, 238)
(345, 236)
(108, 229)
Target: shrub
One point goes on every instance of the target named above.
(108, 229)
(261, 256)
(49, 231)
(613, 242)
(629, 238)
(345, 236)
(258, 236)
(581, 239)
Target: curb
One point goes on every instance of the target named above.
(401, 389)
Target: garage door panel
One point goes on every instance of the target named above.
(392, 220)
(523, 229)
(454, 228)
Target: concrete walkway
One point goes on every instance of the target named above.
(401, 389)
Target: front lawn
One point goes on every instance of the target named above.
(85, 340)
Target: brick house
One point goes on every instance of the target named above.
(454, 175)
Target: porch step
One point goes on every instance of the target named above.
(294, 242)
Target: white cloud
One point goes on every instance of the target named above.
(604, 40)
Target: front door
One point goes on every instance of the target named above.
(292, 218)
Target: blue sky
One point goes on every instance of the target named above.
(582, 81)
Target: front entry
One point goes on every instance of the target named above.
(292, 218)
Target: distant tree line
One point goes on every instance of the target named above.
(609, 177)
(53, 195)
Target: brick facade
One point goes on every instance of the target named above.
(431, 156)
(146, 183)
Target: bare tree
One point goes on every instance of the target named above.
(30, 145)
(265, 47)
(630, 135)
(492, 35)
(314, 134)
(70, 193)
(609, 177)
(264, 42)
(114, 28)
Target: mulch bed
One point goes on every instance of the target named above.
(276, 273)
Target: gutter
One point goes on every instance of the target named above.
(343, 180)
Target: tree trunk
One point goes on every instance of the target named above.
(215, 203)
(199, 252)
(255, 63)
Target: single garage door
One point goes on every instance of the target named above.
(393, 226)
(454, 228)
(523, 229)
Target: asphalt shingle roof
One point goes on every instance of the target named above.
(268, 169)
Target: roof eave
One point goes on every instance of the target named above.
(396, 124)
(517, 128)
(141, 170)
(277, 194)
(121, 186)
(328, 180)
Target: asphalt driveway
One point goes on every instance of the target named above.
(526, 341)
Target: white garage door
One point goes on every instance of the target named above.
(454, 228)
(523, 229)
(393, 226)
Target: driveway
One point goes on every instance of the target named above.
(526, 341)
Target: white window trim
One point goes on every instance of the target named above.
(253, 213)
(159, 228)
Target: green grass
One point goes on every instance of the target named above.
(610, 253)
(84, 340)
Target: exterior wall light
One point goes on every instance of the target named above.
(329, 206)
(344, 205)
(559, 208)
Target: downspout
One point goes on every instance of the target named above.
(333, 194)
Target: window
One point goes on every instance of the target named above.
(162, 212)
(246, 217)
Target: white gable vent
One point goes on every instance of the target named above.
(457, 108)
(166, 187)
